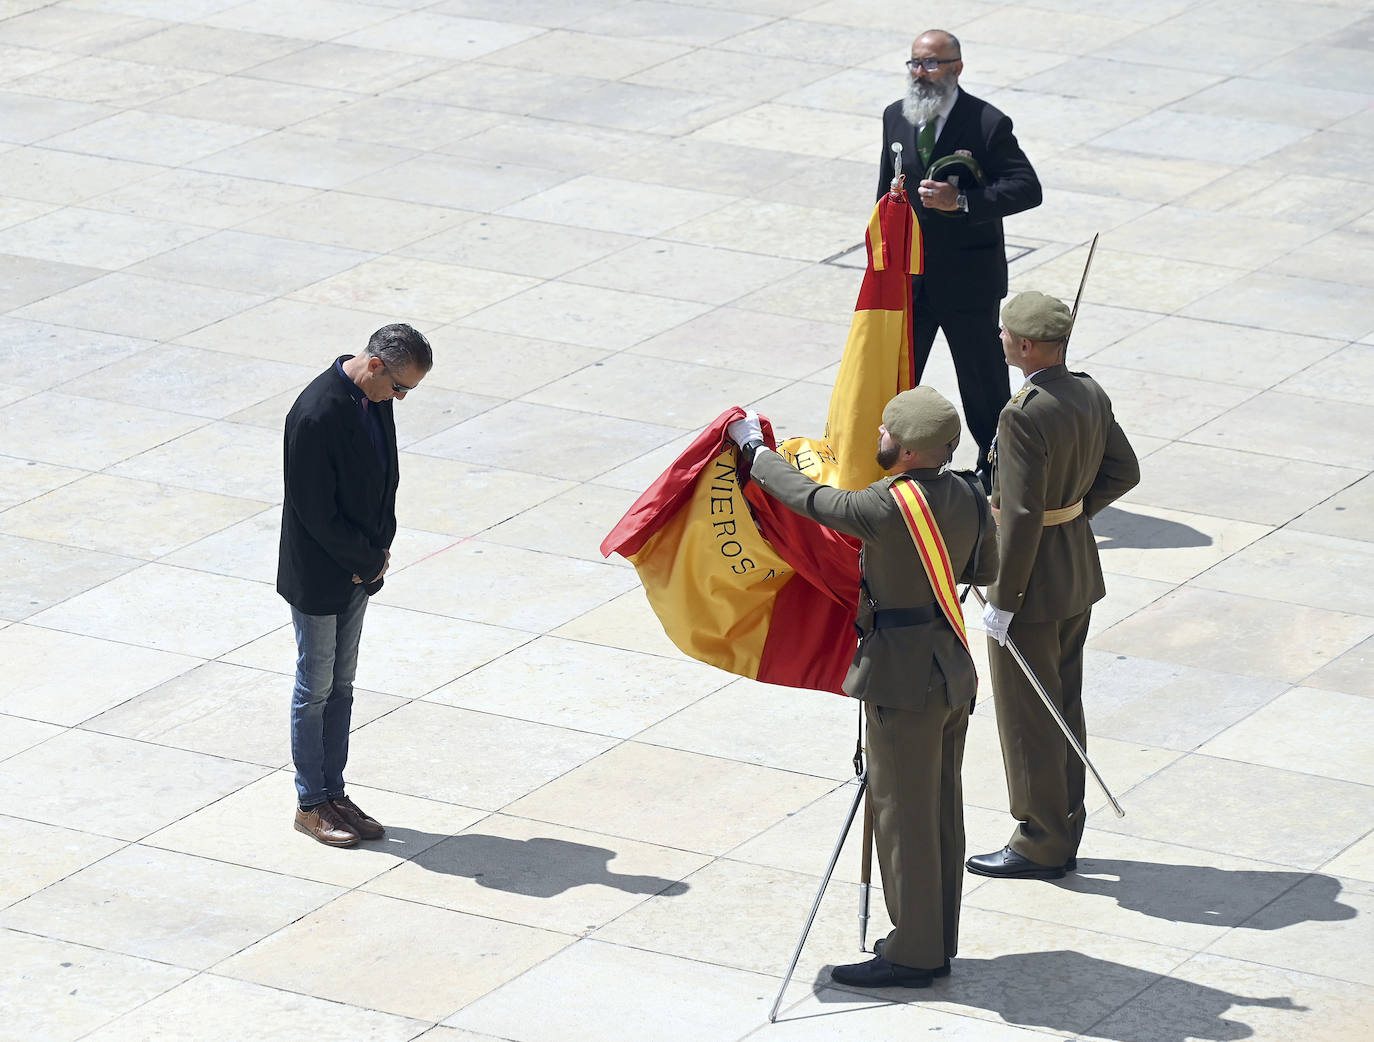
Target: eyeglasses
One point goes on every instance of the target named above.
(398, 388)
(930, 64)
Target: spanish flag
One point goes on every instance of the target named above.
(737, 579)
(709, 549)
(877, 362)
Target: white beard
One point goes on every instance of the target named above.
(923, 101)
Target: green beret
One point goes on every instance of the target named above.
(1037, 317)
(921, 419)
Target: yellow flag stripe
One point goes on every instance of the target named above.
(914, 260)
(875, 242)
(930, 545)
(711, 577)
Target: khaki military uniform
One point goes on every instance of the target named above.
(1058, 447)
(917, 683)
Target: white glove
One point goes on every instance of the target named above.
(997, 622)
(745, 430)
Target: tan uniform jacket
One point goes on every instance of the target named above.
(893, 666)
(1057, 443)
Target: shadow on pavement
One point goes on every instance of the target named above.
(1088, 997)
(539, 867)
(1214, 896)
(1119, 529)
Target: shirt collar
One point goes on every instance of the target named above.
(943, 114)
(947, 107)
(354, 391)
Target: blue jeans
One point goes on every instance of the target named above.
(322, 700)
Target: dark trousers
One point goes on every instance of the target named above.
(975, 345)
(1044, 775)
(914, 782)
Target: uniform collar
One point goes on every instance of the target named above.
(1043, 376)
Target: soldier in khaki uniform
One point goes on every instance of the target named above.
(911, 670)
(1060, 457)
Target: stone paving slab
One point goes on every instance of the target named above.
(615, 218)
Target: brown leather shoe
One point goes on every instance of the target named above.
(358, 819)
(327, 825)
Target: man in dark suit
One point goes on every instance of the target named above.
(960, 215)
(912, 670)
(338, 519)
(1060, 458)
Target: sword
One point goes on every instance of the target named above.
(1073, 315)
(1054, 710)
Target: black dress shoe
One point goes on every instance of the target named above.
(879, 973)
(1008, 864)
(939, 971)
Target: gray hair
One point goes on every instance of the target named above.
(399, 346)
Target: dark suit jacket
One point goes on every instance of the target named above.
(1057, 443)
(893, 666)
(965, 254)
(339, 513)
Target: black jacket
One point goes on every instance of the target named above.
(339, 513)
(965, 255)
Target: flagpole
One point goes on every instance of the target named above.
(866, 872)
(866, 861)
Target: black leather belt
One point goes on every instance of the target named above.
(887, 618)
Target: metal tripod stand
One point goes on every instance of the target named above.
(861, 776)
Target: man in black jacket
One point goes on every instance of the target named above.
(960, 211)
(338, 520)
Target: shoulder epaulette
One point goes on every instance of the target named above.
(1024, 395)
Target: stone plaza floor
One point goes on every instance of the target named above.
(615, 218)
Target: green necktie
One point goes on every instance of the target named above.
(925, 143)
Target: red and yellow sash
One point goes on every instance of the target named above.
(930, 544)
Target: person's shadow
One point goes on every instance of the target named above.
(1082, 995)
(538, 867)
(1119, 529)
(1214, 896)
(1072, 992)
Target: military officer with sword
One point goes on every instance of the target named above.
(1058, 459)
(1035, 337)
